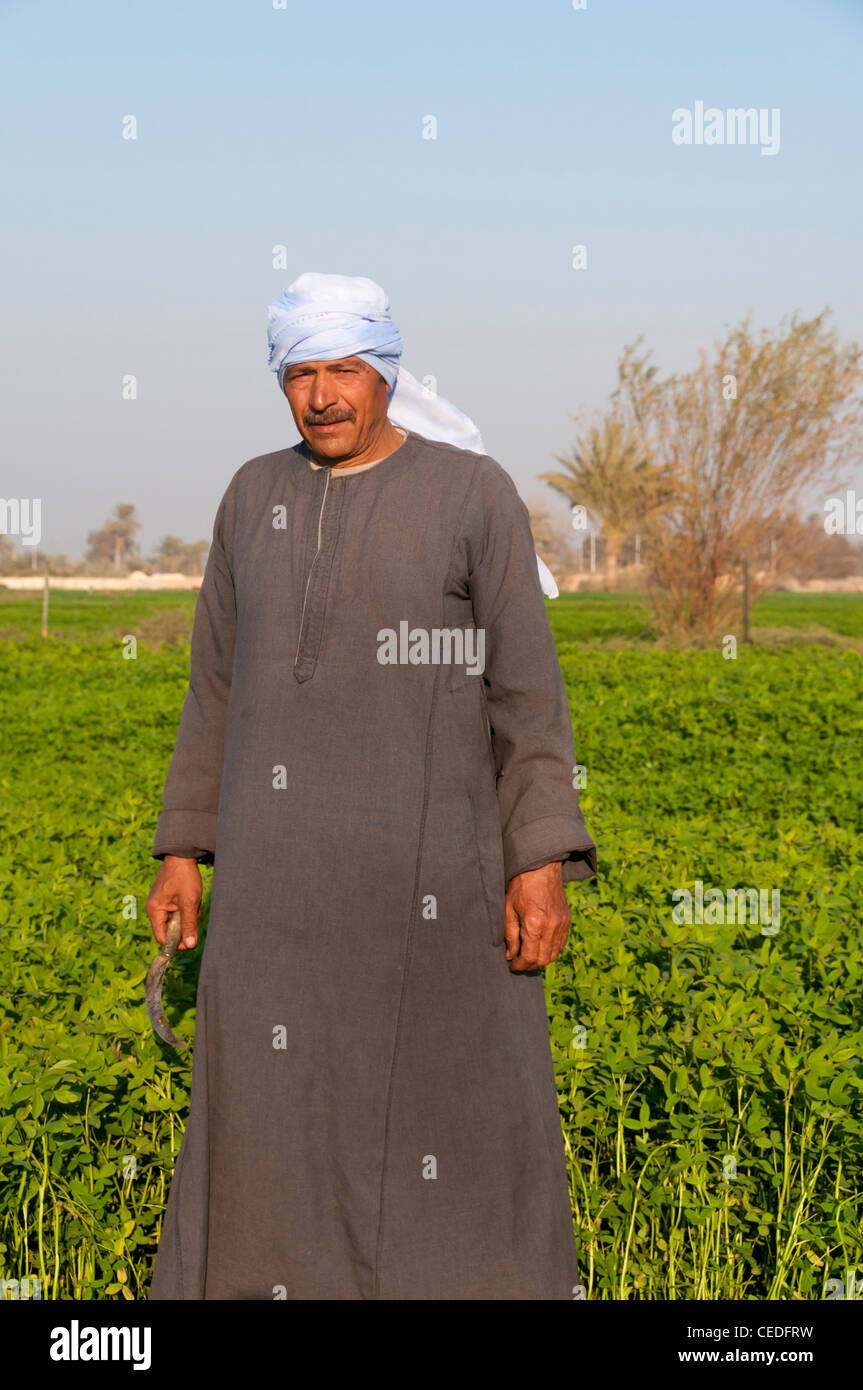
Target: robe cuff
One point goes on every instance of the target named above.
(552, 837)
(190, 834)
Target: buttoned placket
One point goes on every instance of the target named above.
(317, 580)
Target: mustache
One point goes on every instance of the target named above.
(327, 418)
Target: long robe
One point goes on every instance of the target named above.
(373, 1108)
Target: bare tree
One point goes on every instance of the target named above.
(168, 555)
(816, 554)
(746, 437)
(8, 554)
(174, 556)
(195, 556)
(114, 542)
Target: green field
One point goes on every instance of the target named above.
(602, 617)
(709, 1074)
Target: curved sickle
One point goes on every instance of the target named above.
(155, 975)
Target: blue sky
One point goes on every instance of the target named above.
(302, 127)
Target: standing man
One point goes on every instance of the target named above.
(376, 754)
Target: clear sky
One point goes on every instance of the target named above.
(303, 127)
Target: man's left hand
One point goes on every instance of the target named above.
(537, 918)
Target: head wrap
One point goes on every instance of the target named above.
(321, 318)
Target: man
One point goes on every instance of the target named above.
(376, 754)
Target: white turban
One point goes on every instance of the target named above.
(321, 318)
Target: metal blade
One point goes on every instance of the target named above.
(155, 975)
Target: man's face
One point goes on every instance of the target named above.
(338, 407)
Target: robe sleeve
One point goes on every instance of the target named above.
(187, 824)
(528, 714)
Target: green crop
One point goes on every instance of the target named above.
(709, 1075)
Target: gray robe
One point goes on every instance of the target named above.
(373, 1108)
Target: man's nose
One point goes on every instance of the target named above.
(323, 393)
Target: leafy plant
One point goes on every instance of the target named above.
(712, 1117)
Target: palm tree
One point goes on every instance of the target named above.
(609, 475)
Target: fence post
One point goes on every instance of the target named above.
(46, 590)
(746, 600)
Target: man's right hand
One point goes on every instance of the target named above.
(177, 885)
